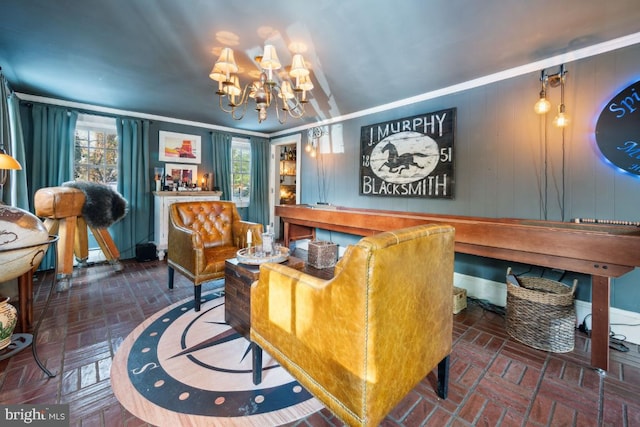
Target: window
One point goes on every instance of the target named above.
(240, 171)
(96, 150)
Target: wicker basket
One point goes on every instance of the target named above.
(459, 299)
(541, 314)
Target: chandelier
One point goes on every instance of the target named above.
(288, 95)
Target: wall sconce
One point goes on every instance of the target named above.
(313, 138)
(543, 105)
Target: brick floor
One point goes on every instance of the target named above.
(494, 380)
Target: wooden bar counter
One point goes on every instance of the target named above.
(602, 251)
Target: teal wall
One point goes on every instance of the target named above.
(500, 166)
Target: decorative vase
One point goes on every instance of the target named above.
(8, 320)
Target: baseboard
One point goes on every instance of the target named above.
(496, 293)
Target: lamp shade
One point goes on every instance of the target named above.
(285, 91)
(8, 162)
(305, 83)
(298, 69)
(270, 59)
(217, 74)
(226, 63)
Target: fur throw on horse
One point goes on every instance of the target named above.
(103, 206)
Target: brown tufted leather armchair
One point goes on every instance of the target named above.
(202, 235)
(363, 340)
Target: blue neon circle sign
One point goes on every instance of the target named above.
(618, 129)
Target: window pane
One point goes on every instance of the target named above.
(240, 171)
(96, 150)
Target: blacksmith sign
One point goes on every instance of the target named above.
(410, 157)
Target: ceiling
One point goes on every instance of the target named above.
(153, 57)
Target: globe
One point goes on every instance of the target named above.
(23, 242)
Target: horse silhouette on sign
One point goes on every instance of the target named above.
(397, 163)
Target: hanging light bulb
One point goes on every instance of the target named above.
(543, 105)
(562, 119)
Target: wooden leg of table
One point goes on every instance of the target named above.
(106, 243)
(297, 232)
(286, 234)
(81, 241)
(52, 226)
(65, 245)
(600, 301)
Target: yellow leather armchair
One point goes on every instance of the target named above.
(202, 235)
(362, 340)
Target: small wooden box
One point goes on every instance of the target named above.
(459, 299)
(322, 254)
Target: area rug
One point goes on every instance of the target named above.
(180, 367)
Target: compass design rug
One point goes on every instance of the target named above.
(180, 367)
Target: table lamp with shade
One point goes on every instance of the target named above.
(6, 163)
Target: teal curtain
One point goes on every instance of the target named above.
(14, 189)
(221, 143)
(52, 146)
(53, 133)
(134, 183)
(258, 210)
(18, 180)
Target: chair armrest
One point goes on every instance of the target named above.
(240, 229)
(185, 247)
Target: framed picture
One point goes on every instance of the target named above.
(409, 157)
(181, 173)
(179, 147)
